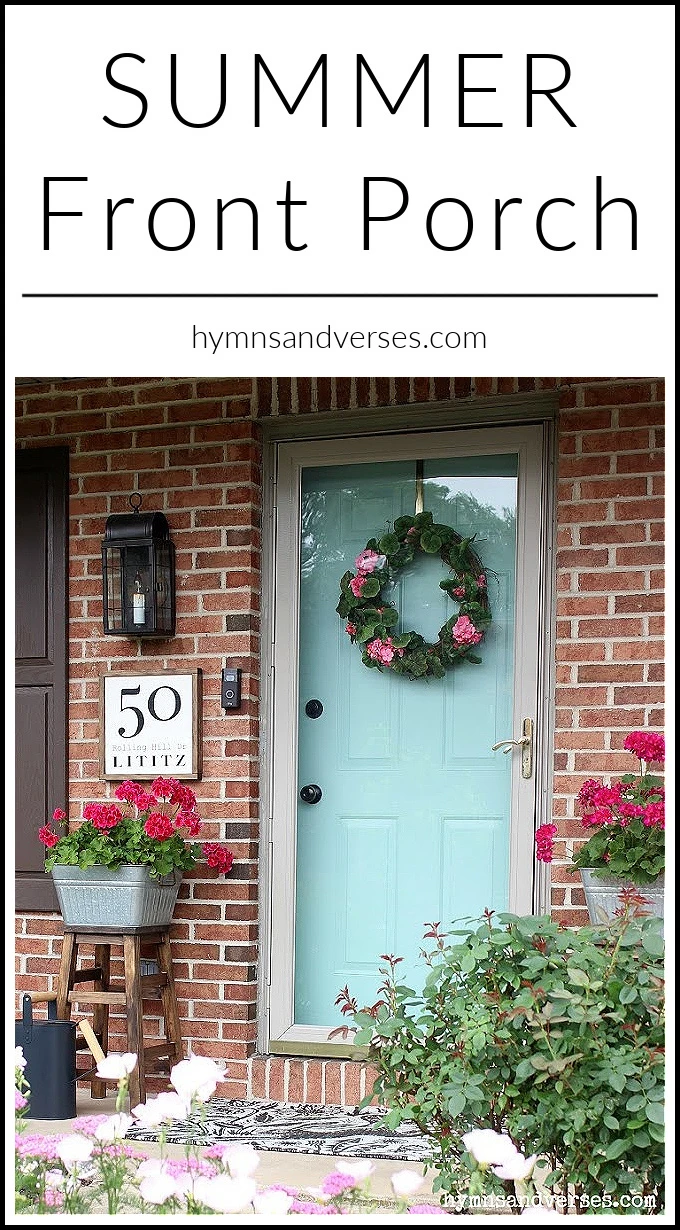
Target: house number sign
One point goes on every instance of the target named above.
(150, 724)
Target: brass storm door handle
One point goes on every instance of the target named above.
(526, 743)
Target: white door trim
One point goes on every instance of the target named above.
(280, 726)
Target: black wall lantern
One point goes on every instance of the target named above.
(138, 569)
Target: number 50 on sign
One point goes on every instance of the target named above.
(150, 724)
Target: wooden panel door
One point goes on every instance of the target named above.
(41, 663)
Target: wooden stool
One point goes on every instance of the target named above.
(129, 995)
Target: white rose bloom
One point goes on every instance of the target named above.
(74, 1149)
(489, 1148)
(225, 1195)
(196, 1079)
(163, 1107)
(356, 1170)
(114, 1128)
(242, 1161)
(150, 1168)
(406, 1182)
(272, 1204)
(518, 1167)
(156, 1189)
(116, 1067)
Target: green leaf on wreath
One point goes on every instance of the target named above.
(366, 634)
(402, 525)
(389, 544)
(390, 616)
(430, 542)
(371, 588)
(423, 518)
(345, 580)
(400, 642)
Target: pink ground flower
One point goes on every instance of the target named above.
(336, 1183)
(159, 825)
(646, 745)
(19, 1100)
(357, 584)
(47, 837)
(58, 814)
(464, 632)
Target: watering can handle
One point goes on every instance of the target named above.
(91, 1039)
(40, 997)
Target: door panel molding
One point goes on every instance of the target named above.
(280, 702)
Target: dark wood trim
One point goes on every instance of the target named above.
(34, 889)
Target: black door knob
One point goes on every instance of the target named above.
(310, 794)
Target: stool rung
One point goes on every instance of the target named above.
(149, 981)
(89, 974)
(97, 997)
(159, 1051)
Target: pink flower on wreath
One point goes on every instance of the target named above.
(383, 651)
(646, 745)
(351, 630)
(47, 837)
(218, 856)
(545, 842)
(357, 584)
(367, 561)
(459, 591)
(464, 632)
(159, 825)
(481, 580)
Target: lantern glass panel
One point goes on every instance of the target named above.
(113, 570)
(164, 583)
(139, 607)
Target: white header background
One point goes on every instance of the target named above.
(620, 97)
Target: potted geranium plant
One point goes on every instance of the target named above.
(625, 823)
(138, 844)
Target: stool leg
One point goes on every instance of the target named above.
(173, 1028)
(100, 1012)
(135, 1037)
(67, 968)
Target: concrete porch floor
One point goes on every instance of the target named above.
(299, 1170)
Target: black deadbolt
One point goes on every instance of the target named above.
(310, 794)
(313, 708)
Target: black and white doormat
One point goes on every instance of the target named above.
(286, 1128)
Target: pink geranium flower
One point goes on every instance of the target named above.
(464, 632)
(646, 745)
(367, 561)
(383, 651)
(357, 584)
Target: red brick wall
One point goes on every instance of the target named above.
(192, 447)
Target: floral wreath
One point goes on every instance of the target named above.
(371, 622)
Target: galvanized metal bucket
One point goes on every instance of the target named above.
(127, 897)
(603, 899)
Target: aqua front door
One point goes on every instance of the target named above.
(390, 808)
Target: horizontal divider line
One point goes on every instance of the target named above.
(340, 295)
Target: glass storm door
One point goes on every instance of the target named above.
(418, 819)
